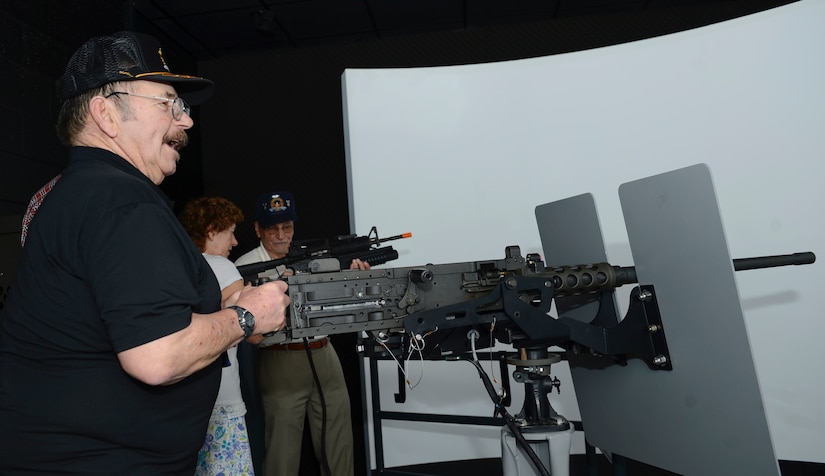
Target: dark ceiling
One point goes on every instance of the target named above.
(213, 28)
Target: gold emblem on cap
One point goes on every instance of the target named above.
(160, 53)
(277, 204)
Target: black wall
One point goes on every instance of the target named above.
(37, 37)
(36, 41)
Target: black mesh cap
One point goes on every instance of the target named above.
(126, 56)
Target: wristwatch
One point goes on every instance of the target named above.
(245, 319)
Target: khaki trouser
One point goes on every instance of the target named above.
(289, 393)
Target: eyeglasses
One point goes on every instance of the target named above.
(285, 227)
(179, 106)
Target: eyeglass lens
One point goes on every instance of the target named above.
(179, 106)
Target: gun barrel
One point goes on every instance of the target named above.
(393, 238)
(570, 280)
(591, 278)
(250, 271)
(353, 245)
(625, 275)
(374, 257)
(743, 264)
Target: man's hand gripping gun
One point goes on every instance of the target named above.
(434, 308)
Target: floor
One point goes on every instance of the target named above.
(578, 467)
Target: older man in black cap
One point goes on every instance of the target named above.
(111, 343)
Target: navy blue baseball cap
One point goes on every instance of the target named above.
(275, 207)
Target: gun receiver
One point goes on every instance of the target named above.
(304, 257)
(509, 299)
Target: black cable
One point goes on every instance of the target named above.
(509, 420)
(324, 461)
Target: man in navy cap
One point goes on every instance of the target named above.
(286, 381)
(111, 342)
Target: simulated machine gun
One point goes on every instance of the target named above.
(314, 255)
(442, 311)
(435, 308)
(657, 393)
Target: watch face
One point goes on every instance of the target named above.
(246, 320)
(249, 320)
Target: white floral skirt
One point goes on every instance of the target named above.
(226, 449)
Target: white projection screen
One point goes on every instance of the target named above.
(460, 156)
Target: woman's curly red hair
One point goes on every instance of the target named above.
(203, 215)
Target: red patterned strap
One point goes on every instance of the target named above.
(34, 205)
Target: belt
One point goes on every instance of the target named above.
(313, 344)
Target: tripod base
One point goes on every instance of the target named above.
(552, 448)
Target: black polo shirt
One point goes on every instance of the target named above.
(106, 267)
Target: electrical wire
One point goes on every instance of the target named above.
(398, 362)
(510, 421)
(417, 344)
(473, 335)
(501, 392)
